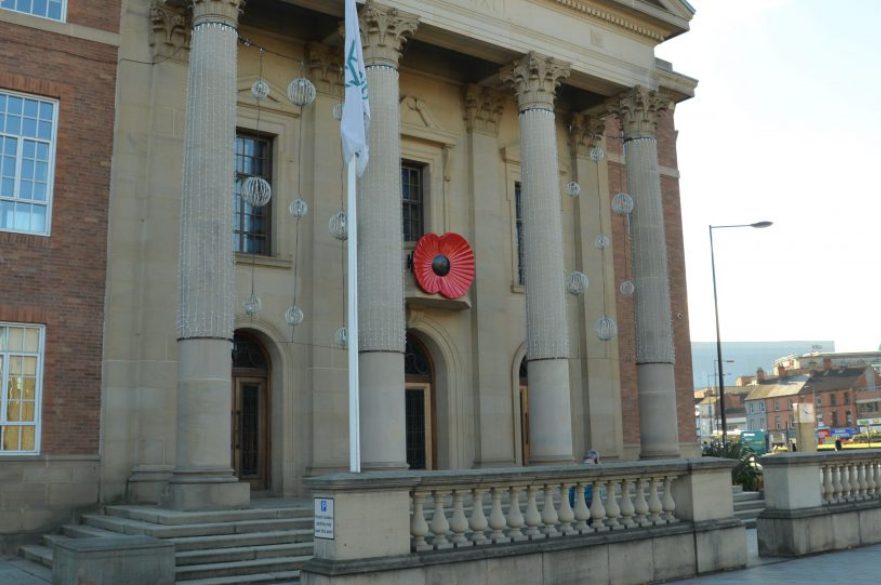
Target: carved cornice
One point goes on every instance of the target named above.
(171, 31)
(384, 31)
(325, 67)
(586, 130)
(638, 111)
(613, 18)
(483, 108)
(535, 79)
(226, 11)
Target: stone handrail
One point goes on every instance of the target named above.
(449, 510)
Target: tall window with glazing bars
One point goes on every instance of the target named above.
(251, 225)
(412, 200)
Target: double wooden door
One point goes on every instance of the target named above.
(250, 431)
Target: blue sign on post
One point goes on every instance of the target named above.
(755, 440)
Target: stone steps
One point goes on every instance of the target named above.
(258, 545)
(748, 506)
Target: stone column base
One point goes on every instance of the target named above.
(147, 483)
(189, 492)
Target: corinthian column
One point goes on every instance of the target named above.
(656, 384)
(203, 477)
(380, 244)
(535, 79)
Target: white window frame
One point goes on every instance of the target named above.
(62, 18)
(50, 173)
(38, 390)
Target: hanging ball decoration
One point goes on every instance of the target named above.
(252, 305)
(299, 208)
(627, 288)
(338, 111)
(260, 89)
(602, 242)
(341, 337)
(622, 203)
(605, 328)
(301, 92)
(338, 225)
(573, 189)
(294, 315)
(256, 191)
(597, 153)
(576, 283)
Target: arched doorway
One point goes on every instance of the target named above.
(250, 410)
(524, 412)
(419, 403)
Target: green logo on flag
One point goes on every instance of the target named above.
(357, 80)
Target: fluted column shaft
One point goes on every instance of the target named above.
(203, 476)
(382, 334)
(656, 383)
(535, 79)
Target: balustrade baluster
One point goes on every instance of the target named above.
(655, 506)
(439, 524)
(582, 512)
(836, 484)
(613, 510)
(478, 523)
(418, 525)
(459, 524)
(669, 503)
(640, 505)
(566, 515)
(875, 473)
(497, 518)
(549, 516)
(515, 518)
(597, 509)
(533, 518)
(846, 487)
(828, 487)
(627, 509)
(864, 485)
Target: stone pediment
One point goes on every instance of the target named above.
(655, 19)
(418, 121)
(276, 101)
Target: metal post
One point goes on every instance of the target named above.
(352, 320)
(718, 345)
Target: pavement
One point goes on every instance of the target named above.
(856, 566)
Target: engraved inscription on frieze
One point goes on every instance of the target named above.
(494, 7)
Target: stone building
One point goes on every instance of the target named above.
(500, 106)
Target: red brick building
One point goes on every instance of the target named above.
(57, 90)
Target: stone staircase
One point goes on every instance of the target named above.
(267, 543)
(748, 505)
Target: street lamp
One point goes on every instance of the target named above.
(758, 224)
(718, 409)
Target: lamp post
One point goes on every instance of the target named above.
(718, 408)
(758, 224)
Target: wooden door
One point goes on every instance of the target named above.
(418, 426)
(250, 431)
(524, 423)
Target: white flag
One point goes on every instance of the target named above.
(356, 108)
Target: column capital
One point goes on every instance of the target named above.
(483, 108)
(638, 111)
(535, 79)
(325, 67)
(225, 11)
(586, 130)
(384, 31)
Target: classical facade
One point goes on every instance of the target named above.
(540, 130)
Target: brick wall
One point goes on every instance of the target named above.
(59, 280)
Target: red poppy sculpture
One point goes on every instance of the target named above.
(443, 264)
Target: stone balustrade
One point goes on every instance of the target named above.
(523, 504)
(527, 524)
(818, 502)
(851, 477)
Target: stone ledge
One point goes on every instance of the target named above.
(795, 459)
(825, 510)
(416, 560)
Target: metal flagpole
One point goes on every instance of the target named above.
(352, 319)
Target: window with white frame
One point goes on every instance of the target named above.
(52, 9)
(21, 375)
(27, 161)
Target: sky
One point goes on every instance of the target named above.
(785, 127)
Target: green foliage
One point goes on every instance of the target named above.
(747, 472)
(870, 437)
